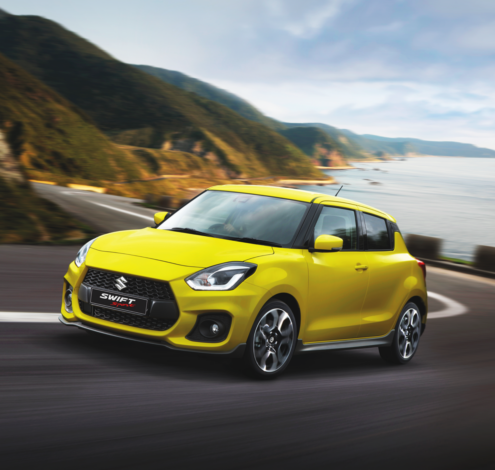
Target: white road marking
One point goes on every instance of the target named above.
(453, 308)
(28, 317)
(147, 217)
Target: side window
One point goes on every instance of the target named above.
(377, 232)
(339, 223)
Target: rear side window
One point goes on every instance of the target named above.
(377, 233)
(339, 223)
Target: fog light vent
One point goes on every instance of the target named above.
(211, 328)
(68, 298)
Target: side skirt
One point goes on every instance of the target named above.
(347, 344)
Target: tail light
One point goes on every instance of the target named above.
(422, 265)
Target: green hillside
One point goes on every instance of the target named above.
(212, 93)
(317, 144)
(347, 149)
(403, 145)
(352, 146)
(49, 134)
(133, 108)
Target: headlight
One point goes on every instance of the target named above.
(83, 252)
(225, 276)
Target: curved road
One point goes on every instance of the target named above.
(73, 400)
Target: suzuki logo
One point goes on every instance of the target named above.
(121, 283)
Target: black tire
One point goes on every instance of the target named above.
(407, 330)
(270, 359)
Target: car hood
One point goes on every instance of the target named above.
(178, 248)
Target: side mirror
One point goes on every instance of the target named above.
(327, 244)
(159, 217)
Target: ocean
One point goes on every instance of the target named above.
(445, 197)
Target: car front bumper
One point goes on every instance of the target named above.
(241, 304)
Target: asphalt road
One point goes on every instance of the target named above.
(103, 212)
(73, 400)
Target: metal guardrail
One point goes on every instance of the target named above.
(429, 249)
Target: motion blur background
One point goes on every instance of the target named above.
(112, 110)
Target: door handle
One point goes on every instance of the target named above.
(358, 267)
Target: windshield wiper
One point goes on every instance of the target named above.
(256, 241)
(189, 230)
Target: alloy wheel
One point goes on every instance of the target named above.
(273, 340)
(409, 333)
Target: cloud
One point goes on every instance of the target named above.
(422, 68)
(304, 19)
(386, 28)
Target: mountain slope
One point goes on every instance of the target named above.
(136, 109)
(352, 146)
(350, 149)
(245, 109)
(426, 147)
(317, 144)
(213, 93)
(48, 134)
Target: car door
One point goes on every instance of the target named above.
(337, 281)
(389, 268)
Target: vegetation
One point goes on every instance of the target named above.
(48, 134)
(317, 144)
(347, 149)
(134, 108)
(213, 93)
(402, 146)
(352, 146)
(27, 218)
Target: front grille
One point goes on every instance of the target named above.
(139, 286)
(157, 290)
(145, 322)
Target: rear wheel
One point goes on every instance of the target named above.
(272, 340)
(406, 338)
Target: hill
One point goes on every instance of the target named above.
(134, 108)
(351, 146)
(448, 149)
(346, 149)
(350, 149)
(213, 93)
(316, 143)
(49, 134)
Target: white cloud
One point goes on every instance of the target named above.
(421, 68)
(304, 19)
(386, 28)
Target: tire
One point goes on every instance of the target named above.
(272, 340)
(406, 338)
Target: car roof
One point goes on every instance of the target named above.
(299, 195)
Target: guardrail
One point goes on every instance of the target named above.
(429, 249)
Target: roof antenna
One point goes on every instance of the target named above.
(339, 191)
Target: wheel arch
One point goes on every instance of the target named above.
(291, 301)
(422, 310)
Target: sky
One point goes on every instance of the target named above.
(396, 68)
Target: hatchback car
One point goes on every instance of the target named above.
(254, 271)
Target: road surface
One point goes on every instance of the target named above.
(71, 400)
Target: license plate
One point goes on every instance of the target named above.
(119, 301)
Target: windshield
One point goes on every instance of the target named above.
(244, 217)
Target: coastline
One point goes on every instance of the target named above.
(348, 167)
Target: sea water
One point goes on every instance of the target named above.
(445, 197)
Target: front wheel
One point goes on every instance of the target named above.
(272, 340)
(406, 338)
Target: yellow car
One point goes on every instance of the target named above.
(254, 271)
